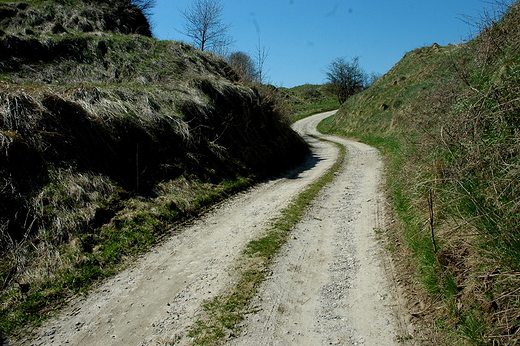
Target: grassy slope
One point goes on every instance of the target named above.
(308, 99)
(107, 141)
(447, 120)
(43, 17)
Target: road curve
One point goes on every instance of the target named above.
(329, 285)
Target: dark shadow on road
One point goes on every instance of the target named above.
(310, 160)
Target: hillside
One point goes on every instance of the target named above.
(37, 17)
(447, 120)
(307, 99)
(108, 138)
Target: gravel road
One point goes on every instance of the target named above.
(330, 285)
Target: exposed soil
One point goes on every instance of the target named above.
(331, 285)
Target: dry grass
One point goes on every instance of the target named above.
(71, 155)
(65, 17)
(106, 141)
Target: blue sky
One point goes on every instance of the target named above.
(304, 36)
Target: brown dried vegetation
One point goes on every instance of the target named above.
(107, 139)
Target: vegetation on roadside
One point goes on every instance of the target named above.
(108, 139)
(308, 99)
(447, 119)
(128, 227)
(223, 314)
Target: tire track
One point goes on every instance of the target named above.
(329, 285)
(159, 296)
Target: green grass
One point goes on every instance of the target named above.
(224, 312)
(305, 100)
(303, 111)
(446, 119)
(139, 225)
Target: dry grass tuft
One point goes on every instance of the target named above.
(64, 17)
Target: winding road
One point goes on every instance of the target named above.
(330, 285)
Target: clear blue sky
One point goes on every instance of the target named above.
(304, 36)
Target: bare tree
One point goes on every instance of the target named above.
(261, 56)
(204, 25)
(345, 78)
(372, 78)
(244, 66)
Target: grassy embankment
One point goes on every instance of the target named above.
(108, 140)
(447, 120)
(305, 100)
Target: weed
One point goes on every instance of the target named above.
(405, 338)
(473, 328)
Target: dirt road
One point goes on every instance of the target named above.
(329, 285)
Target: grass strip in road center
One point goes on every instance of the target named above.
(223, 314)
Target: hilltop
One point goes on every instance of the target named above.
(447, 120)
(40, 17)
(108, 138)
